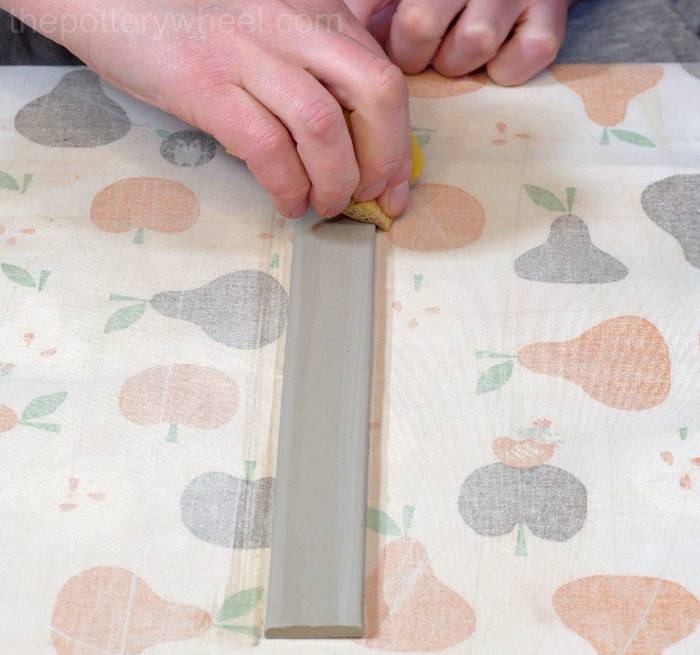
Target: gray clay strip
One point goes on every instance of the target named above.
(318, 528)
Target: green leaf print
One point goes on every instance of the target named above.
(18, 275)
(495, 377)
(251, 630)
(633, 137)
(43, 277)
(240, 604)
(47, 427)
(481, 354)
(25, 181)
(43, 406)
(544, 198)
(407, 518)
(382, 523)
(124, 317)
(8, 182)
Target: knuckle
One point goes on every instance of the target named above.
(390, 88)
(542, 47)
(418, 23)
(321, 118)
(386, 167)
(481, 38)
(268, 141)
(339, 193)
(341, 189)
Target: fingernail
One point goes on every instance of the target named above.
(292, 211)
(334, 211)
(371, 192)
(300, 209)
(398, 199)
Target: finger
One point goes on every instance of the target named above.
(394, 199)
(417, 29)
(250, 132)
(476, 37)
(534, 45)
(364, 10)
(375, 92)
(316, 123)
(379, 24)
(354, 23)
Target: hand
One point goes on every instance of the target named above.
(267, 78)
(515, 39)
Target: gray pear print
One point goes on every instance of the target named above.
(76, 114)
(188, 148)
(674, 205)
(569, 256)
(245, 309)
(227, 511)
(496, 498)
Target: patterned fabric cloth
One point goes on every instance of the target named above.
(535, 457)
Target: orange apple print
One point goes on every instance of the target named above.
(606, 90)
(407, 608)
(111, 611)
(138, 203)
(196, 396)
(8, 418)
(623, 363)
(430, 84)
(523, 453)
(627, 614)
(440, 217)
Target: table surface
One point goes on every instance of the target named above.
(535, 430)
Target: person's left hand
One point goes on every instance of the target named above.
(515, 39)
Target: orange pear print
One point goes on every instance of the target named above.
(112, 611)
(407, 608)
(627, 614)
(196, 396)
(606, 91)
(140, 203)
(623, 363)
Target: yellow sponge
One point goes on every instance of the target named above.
(370, 211)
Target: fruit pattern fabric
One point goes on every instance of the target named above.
(535, 427)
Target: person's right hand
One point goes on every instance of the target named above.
(267, 78)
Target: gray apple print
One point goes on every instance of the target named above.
(227, 511)
(674, 205)
(496, 498)
(188, 148)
